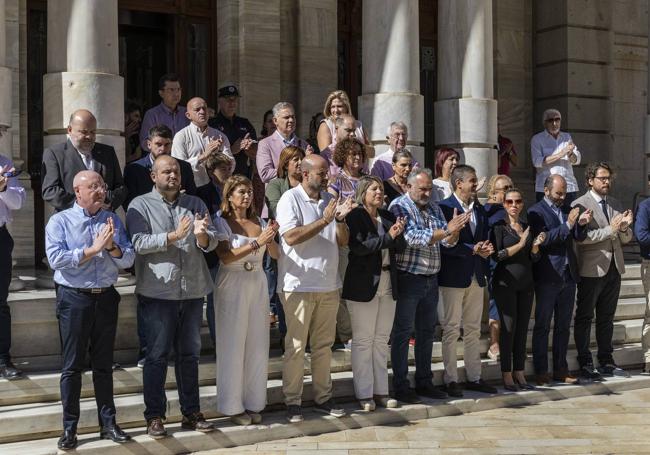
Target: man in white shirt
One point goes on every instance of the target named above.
(397, 136)
(197, 141)
(553, 152)
(312, 227)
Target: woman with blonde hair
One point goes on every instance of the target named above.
(241, 311)
(337, 104)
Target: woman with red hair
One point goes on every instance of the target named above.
(446, 160)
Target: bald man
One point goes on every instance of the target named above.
(197, 141)
(86, 246)
(312, 227)
(80, 152)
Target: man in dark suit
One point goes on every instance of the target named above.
(80, 152)
(137, 175)
(462, 281)
(556, 274)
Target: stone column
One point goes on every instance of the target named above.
(646, 161)
(83, 69)
(391, 72)
(466, 112)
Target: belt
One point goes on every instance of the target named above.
(93, 290)
(385, 268)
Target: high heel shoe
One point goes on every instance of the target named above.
(524, 385)
(511, 387)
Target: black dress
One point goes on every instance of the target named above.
(390, 192)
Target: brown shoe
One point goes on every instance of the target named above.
(155, 428)
(565, 378)
(196, 422)
(543, 379)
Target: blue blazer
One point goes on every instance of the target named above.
(557, 247)
(459, 264)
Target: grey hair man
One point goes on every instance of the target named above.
(397, 137)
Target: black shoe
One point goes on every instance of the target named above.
(294, 413)
(430, 391)
(9, 371)
(407, 396)
(330, 408)
(68, 440)
(114, 433)
(588, 373)
(611, 369)
(480, 386)
(454, 389)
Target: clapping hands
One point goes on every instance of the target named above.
(397, 228)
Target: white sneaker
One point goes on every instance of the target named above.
(367, 405)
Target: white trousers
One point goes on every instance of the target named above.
(371, 325)
(241, 307)
(461, 307)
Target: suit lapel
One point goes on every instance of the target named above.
(551, 218)
(72, 154)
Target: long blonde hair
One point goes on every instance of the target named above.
(336, 95)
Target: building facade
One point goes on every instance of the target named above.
(456, 71)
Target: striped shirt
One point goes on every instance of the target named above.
(419, 257)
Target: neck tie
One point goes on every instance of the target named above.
(558, 213)
(603, 205)
(88, 161)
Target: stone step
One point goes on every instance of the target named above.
(631, 288)
(44, 387)
(43, 420)
(275, 427)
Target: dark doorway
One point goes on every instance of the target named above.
(350, 49)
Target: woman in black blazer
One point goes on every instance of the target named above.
(370, 287)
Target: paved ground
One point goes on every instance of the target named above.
(601, 424)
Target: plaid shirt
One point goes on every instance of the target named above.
(419, 257)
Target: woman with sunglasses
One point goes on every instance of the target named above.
(513, 287)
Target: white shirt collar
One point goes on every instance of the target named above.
(597, 196)
(467, 207)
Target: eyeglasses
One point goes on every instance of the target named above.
(513, 201)
(554, 120)
(98, 187)
(604, 179)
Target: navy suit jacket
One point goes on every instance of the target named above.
(137, 177)
(459, 263)
(557, 247)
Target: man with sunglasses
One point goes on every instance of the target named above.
(601, 264)
(553, 152)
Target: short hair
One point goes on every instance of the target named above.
(441, 156)
(550, 113)
(231, 185)
(280, 106)
(548, 182)
(287, 154)
(215, 160)
(363, 185)
(402, 154)
(168, 77)
(418, 171)
(396, 125)
(592, 169)
(344, 147)
(493, 181)
(160, 131)
(460, 172)
(336, 95)
(131, 106)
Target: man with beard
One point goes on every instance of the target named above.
(553, 152)
(197, 141)
(86, 246)
(462, 282)
(62, 162)
(170, 231)
(601, 264)
(556, 274)
(310, 240)
(417, 296)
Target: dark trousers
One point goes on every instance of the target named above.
(554, 301)
(600, 294)
(142, 332)
(514, 312)
(417, 305)
(271, 271)
(6, 247)
(87, 323)
(172, 324)
(570, 197)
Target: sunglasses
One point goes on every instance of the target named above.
(513, 201)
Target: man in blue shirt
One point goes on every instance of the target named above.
(417, 283)
(86, 246)
(642, 234)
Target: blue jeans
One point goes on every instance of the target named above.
(172, 324)
(417, 305)
(87, 320)
(271, 270)
(209, 308)
(553, 299)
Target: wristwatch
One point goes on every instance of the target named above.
(111, 249)
(447, 232)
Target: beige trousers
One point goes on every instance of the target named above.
(645, 333)
(309, 315)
